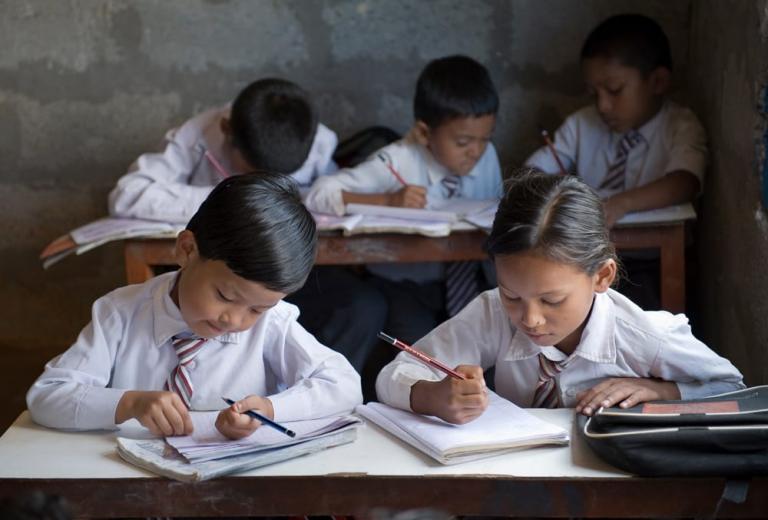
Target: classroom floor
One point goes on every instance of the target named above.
(22, 366)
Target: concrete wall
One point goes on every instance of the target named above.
(86, 86)
(727, 78)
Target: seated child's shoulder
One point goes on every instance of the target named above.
(200, 124)
(680, 118)
(651, 323)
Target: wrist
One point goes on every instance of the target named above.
(124, 406)
(419, 400)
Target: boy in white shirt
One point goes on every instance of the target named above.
(637, 148)
(446, 154)
(217, 327)
(555, 332)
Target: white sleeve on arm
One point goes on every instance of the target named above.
(318, 381)
(697, 370)
(688, 149)
(371, 176)
(472, 337)
(71, 393)
(157, 187)
(565, 143)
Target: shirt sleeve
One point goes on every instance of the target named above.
(72, 392)
(697, 370)
(157, 187)
(317, 381)
(371, 176)
(565, 144)
(688, 149)
(320, 158)
(472, 337)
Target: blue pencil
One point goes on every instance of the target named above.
(265, 420)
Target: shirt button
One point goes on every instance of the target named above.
(192, 365)
(570, 392)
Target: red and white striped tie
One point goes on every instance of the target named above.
(616, 176)
(547, 394)
(187, 347)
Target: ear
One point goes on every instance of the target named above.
(225, 126)
(185, 249)
(605, 276)
(661, 80)
(422, 133)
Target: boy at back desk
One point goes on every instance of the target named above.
(271, 126)
(448, 153)
(636, 148)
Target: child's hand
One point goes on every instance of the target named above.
(614, 208)
(409, 197)
(162, 412)
(234, 424)
(626, 392)
(453, 400)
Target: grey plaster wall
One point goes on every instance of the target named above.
(727, 74)
(87, 85)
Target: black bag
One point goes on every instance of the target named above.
(724, 435)
(356, 148)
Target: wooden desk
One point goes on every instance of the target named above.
(377, 470)
(668, 238)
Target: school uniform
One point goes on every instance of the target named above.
(672, 140)
(128, 346)
(170, 185)
(619, 340)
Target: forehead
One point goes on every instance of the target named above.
(223, 278)
(533, 274)
(600, 69)
(480, 126)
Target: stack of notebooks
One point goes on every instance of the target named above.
(207, 453)
(502, 428)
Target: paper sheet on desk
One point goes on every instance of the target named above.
(676, 213)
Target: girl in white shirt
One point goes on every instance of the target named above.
(250, 243)
(554, 330)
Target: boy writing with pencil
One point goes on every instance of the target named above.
(447, 154)
(217, 327)
(636, 148)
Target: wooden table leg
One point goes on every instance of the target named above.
(673, 269)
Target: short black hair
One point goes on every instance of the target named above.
(633, 40)
(557, 216)
(257, 225)
(273, 125)
(453, 87)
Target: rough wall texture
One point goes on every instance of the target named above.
(727, 75)
(86, 86)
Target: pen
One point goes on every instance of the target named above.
(419, 355)
(551, 146)
(265, 420)
(384, 159)
(216, 164)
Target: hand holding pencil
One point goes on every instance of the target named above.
(410, 195)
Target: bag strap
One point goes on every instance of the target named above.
(734, 491)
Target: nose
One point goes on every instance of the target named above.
(476, 150)
(604, 105)
(532, 317)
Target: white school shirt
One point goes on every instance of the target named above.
(128, 346)
(619, 340)
(672, 140)
(416, 166)
(169, 186)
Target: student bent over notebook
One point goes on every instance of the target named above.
(217, 327)
(554, 330)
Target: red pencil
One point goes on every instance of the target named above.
(420, 355)
(384, 159)
(216, 164)
(545, 135)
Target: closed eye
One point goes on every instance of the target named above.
(221, 295)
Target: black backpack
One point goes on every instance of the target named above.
(358, 147)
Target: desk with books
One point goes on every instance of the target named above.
(376, 470)
(334, 249)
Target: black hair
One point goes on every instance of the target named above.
(557, 216)
(273, 125)
(257, 225)
(633, 39)
(453, 87)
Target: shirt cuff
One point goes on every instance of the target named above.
(96, 410)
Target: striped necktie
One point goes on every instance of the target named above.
(187, 346)
(614, 179)
(547, 395)
(461, 283)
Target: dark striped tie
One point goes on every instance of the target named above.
(461, 283)
(187, 346)
(547, 395)
(614, 179)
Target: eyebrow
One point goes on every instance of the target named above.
(548, 293)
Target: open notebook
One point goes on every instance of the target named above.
(206, 453)
(503, 427)
(450, 210)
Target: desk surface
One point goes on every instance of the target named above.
(377, 470)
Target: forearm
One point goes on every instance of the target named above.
(674, 188)
(378, 199)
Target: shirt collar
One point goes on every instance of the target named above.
(435, 170)
(167, 319)
(598, 342)
(648, 130)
